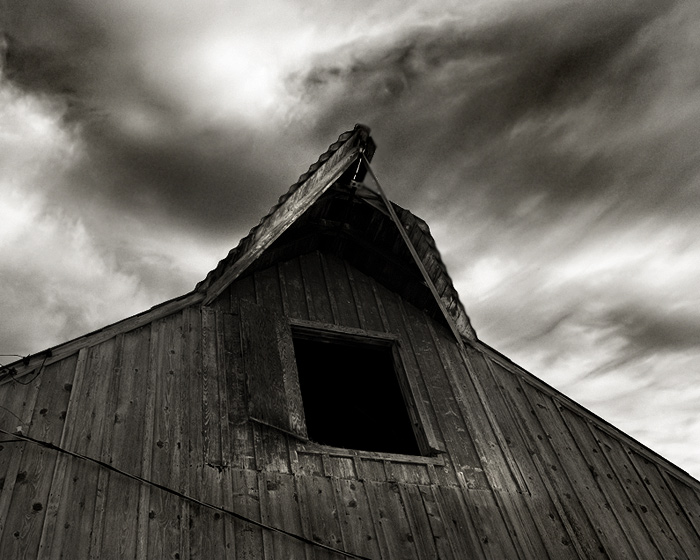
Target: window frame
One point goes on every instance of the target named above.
(272, 387)
(428, 444)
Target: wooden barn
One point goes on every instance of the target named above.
(320, 395)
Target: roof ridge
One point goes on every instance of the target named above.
(238, 249)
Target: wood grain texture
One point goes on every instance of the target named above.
(163, 508)
(210, 389)
(25, 516)
(120, 523)
(285, 215)
(536, 477)
(272, 384)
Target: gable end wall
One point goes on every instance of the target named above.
(524, 477)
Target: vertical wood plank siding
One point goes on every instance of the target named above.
(530, 475)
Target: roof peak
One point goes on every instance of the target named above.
(310, 185)
(339, 159)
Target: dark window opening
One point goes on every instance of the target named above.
(352, 397)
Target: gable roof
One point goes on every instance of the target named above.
(321, 175)
(338, 174)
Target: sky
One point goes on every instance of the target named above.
(551, 145)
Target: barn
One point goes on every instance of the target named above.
(321, 394)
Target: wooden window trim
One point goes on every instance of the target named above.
(319, 331)
(319, 449)
(428, 444)
(273, 392)
(272, 381)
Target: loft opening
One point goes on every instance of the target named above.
(352, 394)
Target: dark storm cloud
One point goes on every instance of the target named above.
(53, 48)
(157, 163)
(115, 169)
(201, 178)
(498, 103)
(484, 101)
(534, 59)
(652, 330)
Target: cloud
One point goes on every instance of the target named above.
(653, 330)
(119, 181)
(55, 282)
(554, 103)
(150, 148)
(166, 98)
(69, 265)
(503, 113)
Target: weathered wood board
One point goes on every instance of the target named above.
(169, 401)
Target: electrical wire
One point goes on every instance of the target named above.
(38, 371)
(13, 414)
(412, 250)
(191, 499)
(4, 367)
(10, 371)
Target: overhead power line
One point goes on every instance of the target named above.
(21, 437)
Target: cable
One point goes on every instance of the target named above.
(13, 414)
(414, 254)
(142, 480)
(4, 367)
(38, 371)
(26, 359)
